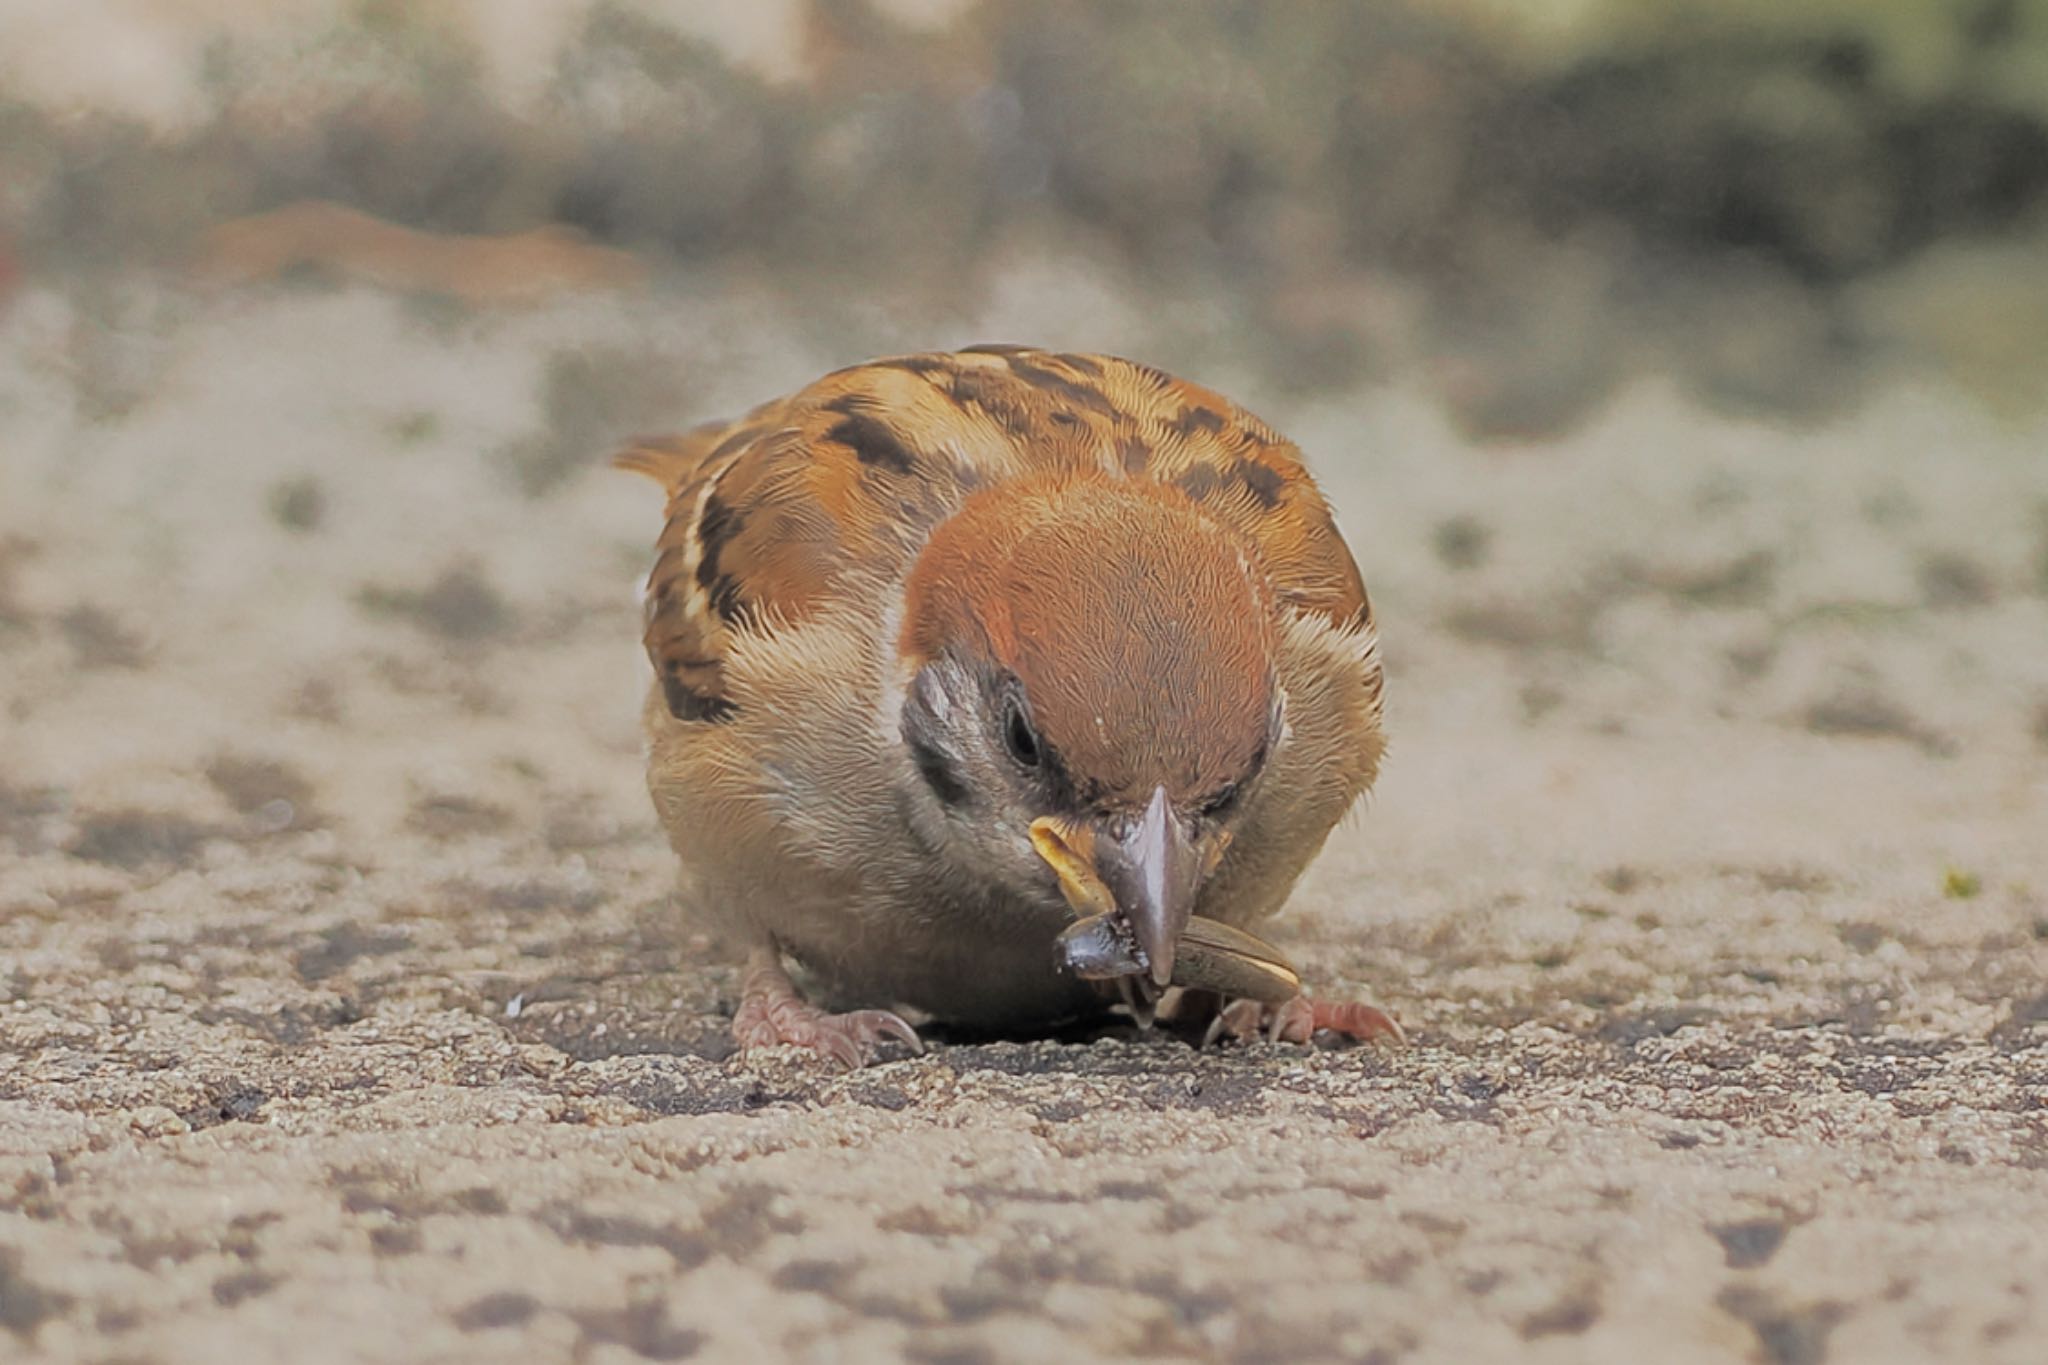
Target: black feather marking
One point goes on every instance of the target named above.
(916, 364)
(1080, 395)
(1263, 482)
(873, 442)
(854, 404)
(974, 388)
(1198, 483)
(1193, 419)
(715, 529)
(725, 597)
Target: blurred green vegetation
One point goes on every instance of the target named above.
(1525, 204)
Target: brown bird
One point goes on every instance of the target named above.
(951, 648)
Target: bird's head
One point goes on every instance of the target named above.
(1090, 695)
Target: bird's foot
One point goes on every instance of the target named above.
(771, 1013)
(1300, 1019)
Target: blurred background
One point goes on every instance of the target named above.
(1517, 207)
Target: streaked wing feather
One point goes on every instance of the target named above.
(769, 515)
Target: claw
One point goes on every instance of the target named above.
(1356, 1019)
(1294, 1021)
(1238, 1019)
(771, 1013)
(1298, 1021)
(889, 1024)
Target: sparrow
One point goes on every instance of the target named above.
(1002, 686)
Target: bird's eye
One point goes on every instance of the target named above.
(1019, 737)
(1221, 803)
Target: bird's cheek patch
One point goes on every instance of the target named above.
(1070, 851)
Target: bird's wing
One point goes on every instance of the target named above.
(771, 515)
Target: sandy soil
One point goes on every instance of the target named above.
(343, 1015)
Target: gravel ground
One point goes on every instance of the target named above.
(343, 1014)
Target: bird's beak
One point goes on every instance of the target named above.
(1149, 869)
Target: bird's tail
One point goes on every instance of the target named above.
(671, 461)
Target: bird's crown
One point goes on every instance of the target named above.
(1129, 634)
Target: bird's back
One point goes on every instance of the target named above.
(774, 515)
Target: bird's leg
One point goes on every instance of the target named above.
(1300, 1019)
(772, 1012)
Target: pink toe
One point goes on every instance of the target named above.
(1356, 1019)
(1293, 1022)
